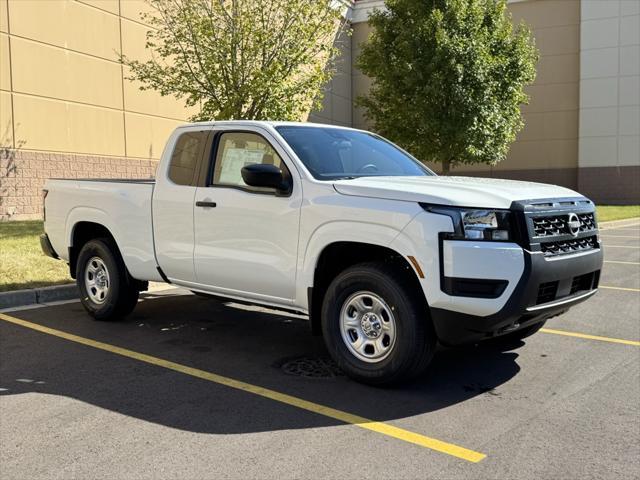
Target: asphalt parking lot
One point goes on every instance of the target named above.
(188, 387)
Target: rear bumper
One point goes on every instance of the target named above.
(548, 287)
(46, 246)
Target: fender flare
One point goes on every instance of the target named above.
(80, 215)
(344, 232)
(89, 215)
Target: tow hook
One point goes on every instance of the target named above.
(509, 328)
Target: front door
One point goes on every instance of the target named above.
(246, 238)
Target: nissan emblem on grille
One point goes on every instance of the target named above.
(573, 224)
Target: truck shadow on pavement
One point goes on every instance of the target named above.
(238, 342)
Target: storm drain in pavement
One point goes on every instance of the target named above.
(313, 367)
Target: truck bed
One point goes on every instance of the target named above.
(123, 206)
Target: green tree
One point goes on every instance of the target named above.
(448, 78)
(240, 59)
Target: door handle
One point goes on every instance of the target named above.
(206, 204)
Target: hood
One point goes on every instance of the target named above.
(453, 191)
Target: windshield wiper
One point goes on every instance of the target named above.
(348, 177)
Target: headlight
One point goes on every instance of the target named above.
(476, 224)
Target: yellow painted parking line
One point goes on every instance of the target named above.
(621, 262)
(591, 337)
(348, 418)
(624, 289)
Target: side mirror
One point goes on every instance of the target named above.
(265, 175)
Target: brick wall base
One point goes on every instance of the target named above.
(565, 177)
(23, 173)
(611, 185)
(603, 185)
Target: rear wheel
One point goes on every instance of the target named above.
(375, 326)
(107, 291)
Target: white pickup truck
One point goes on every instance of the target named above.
(385, 257)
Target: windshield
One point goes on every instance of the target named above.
(333, 153)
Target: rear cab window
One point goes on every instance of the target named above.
(186, 157)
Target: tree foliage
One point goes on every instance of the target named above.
(240, 59)
(448, 78)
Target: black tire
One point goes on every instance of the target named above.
(122, 294)
(415, 339)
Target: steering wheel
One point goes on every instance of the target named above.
(368, 168)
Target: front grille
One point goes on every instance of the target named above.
(569, 246)
(547, 292)
(548, 226)
(556, 225)
(587, 222)
(566, 229)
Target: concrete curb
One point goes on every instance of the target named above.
(56, 293)
(620, 223)
(32, 296)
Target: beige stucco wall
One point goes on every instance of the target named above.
(336, 102)
(550, 137)
(62, 88)
(610, 83)
(68, 110)
(609, 146)
(59, 61)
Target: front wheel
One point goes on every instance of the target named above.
(375, 326)
(107, 292)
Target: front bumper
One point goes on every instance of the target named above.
(547, 288)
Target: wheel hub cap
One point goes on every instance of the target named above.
(371, 325)
(96, 280)
(101, 279)
(368, 326)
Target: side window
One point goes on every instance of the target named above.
(186, 155)
(235, 150)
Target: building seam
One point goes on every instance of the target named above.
(116, 14)
(13, 115)
(94, 105)
(619, 47)
(124, 115)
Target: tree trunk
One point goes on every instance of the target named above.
(446, 166)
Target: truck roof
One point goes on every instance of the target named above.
(263, 123)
